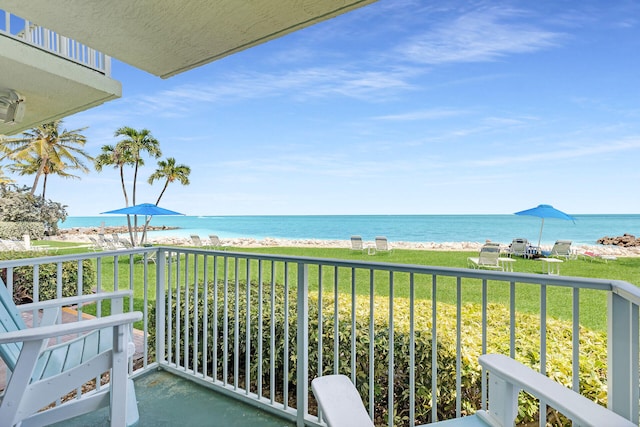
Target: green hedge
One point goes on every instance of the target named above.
(15, 230)
(592, 352)
(47, 273)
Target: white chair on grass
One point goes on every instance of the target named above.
(488, 257)
(356, 243)
(41, 374)
(195, 239)
(382, 244)
(215, 243)
(561, 249)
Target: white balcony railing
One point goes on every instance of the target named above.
(260, 327)
(27, 32)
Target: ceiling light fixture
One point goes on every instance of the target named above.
(12, 106)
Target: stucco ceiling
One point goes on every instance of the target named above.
(166, 37)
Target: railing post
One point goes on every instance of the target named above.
(302, 362)
(161, 305)
(622, 357)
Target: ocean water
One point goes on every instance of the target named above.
(408, 228)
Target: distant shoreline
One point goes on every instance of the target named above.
(81, 234)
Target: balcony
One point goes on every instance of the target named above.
(54, 75)
(257, 328)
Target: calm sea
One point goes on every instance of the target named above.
(409, 228)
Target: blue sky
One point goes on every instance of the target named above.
(401, 107)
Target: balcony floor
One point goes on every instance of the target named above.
(165, 399)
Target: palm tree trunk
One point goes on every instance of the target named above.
(44, 185)
(126, 201)
(135, 218)
(35, 181)
(146, 224)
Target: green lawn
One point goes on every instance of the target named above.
(592, 308)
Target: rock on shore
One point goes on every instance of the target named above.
(626, 240)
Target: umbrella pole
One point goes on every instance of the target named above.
(144, 230)
(540, 236)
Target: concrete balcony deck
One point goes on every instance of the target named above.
(169, 400)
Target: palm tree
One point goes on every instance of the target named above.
(5, 179)
(136, 142)
(33, 164)
(118, 157)
(170, 172)
(48, 147)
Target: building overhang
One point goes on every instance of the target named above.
(50, 86)
(167, 37)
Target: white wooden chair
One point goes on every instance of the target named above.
(342, 406)
(42, 374)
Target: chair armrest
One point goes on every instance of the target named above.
(76, 300)
(52, 331)
(507, 377)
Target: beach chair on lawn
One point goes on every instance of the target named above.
(520, 247)
(382, 244)
(215, 243)
(488, 257)
(195, 239)
(560, 249)
(356, 243)
(41, 374)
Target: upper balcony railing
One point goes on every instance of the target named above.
(260, 327)
(27, 32)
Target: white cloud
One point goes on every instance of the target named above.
(480, 35)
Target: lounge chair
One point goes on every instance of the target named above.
(590, 255)
(195, 239)
(560, 249)
(521, 247)
(215, 243)
(356, 243)
(342, 406)
(41, 374)
(487, 258)
(382, 245)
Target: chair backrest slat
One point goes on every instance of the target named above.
(10, 320)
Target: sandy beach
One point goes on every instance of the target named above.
(82, 235)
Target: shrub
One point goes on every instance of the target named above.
(15, 230)
(47, 278)
(592, 360)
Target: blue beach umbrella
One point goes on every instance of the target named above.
(545, 211)
(146, 209)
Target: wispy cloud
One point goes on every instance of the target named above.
(631, 144)
(479, 35)
(431, 114)
(297, 84)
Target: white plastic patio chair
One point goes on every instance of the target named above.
(41, 374)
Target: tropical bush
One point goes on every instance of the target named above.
(47, 277)
(18, 205)
(592, 350)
